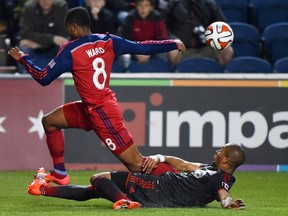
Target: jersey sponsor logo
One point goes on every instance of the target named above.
(199, 173)
(95, 51)
(211, 172)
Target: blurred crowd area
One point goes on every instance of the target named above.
(154, 20)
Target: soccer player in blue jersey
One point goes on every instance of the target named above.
(198, 185)
(89, 58)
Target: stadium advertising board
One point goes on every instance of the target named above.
(193, 118)
(22, 138)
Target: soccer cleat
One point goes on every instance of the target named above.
(40, 173)
(64, 181)
(35, 187)
(126, 204)
(50, 177)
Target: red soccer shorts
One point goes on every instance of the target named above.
(106, 121)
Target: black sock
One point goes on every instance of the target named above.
(72, 192)
(107, 189)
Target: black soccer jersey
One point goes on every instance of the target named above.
(197, 188)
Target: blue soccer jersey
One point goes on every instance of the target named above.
(90, 60)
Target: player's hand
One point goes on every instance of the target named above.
(180, 46)
(150, 163)
(16, 53)
(236, 204)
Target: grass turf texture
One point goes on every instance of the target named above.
(265, 193)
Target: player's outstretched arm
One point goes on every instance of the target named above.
(149, 47)
(46, 75)
(181, 165)
(228, 202)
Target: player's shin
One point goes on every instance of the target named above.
(106, 188)
(55, 142)
(71, 192)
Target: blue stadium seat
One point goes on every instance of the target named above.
(248, 64)
(154, 65)
(246, 39)
(235, 10)
(275, 39)
(118, 67)
(267, 12)
(281, 65)
(201, 64)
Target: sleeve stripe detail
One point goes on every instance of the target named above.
(35, 73)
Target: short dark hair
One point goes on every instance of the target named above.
(236, 154)
(79, 16)
(150, 1)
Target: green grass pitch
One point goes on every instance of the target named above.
(265, 193)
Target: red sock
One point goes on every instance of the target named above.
(55, 142)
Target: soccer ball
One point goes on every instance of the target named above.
(219, 35)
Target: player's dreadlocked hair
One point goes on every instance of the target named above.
(236, 154)
(79, 16)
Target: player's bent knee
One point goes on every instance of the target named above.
(47, 123)
(44, 122)
(100, 175)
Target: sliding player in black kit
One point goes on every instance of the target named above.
(198, 185)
